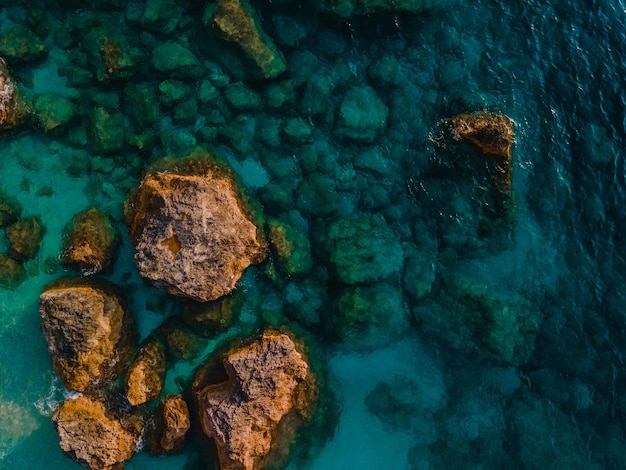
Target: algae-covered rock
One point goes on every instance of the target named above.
(90, 242)
(211, 318)
(91, 436)
(291, 245)
(10, 209)
(176, 61)
(24, 237)
(12, 273)
(492, 326)
(181, 341)
(54, 111)
(362, 114)
(107, 130)
(89, 332)
(267, 381)
(146, 375)
(22, 45)
(237, 22)
(190, 229)
(13, 109)
(144, 104)
(110, 55)
(363, 248)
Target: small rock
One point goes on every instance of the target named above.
(12, 273)
(362, 115)
(175, 423)
(54, 111)
(146, 375)
(24, 238)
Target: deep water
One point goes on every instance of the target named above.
(409, 391)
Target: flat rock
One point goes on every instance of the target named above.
(190, 230)
(89, 332)
(268, 380)
(92, 437)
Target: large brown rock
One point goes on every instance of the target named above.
(92, 437)
(12, 108)
(176, 423)
(491, 132)
(146, 375)
(89, 332)
(268, 380)
(190, 230)
(90, 242)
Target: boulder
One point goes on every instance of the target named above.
(267, 381)
(363, 248)
(54, 111)
(24, 238)
(13, 109)
(10, 210)
(190, 229)
(362, 114)
(12, 273)
(291, 245)
(89, 332)
(176, 61)
(146, 375)
(110, 56)
(174, 424)
(181, 341)
(491, 132)
(237, 23)
(90, 242)
(22, 45)
(90, 436)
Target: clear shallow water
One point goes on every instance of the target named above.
(556, 70)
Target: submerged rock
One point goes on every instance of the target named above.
(90, 242)
(362, 115)
(268, 380)
(236, 21)
(89, 332)
(291, 246)
(12, 273)
(54, 111)
(10, 210)
(190, 230)
(90, 436)
(146, 375)
(110, 55)
(22, 45)
(24, 238)
(482, 322)
(13, 110)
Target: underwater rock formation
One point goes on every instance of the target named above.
(291, 246)
(10, 210)
(20, 44)
(92, 437)
(90, 242)
(12, 273)
(236, 21)
(146, 375)
(362, 114)
(24, 238)
(54, 111)
(485, 324)
(191, 234)
(109, 54)
(12, 108)
(364, 249)
(268, 380)
(89, 332)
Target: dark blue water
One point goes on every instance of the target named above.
(410, 391)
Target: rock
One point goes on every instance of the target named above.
(211, 318)
(364, 249)
(362, 115)
(291, 246)
(12, 273)
(174, 424)
(10, 210)
(89, 332)
(22, 45)
(181, 341)
(90, 436)
(146, 375)
(236, 21)
(190, 230)
(54, 111)
(488, 325)
(491, 132)
(13, 109)
(109, 54)
(107, 131)
(176, 61)
(90, 242)
(268, 380)
(24, 238)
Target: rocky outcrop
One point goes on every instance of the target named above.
(175, 424)
(268, 380)
(191, 233)
(491, 132)
(92, 437)
(236, 22)
(89, 332)
(90, 242)
(12, 107)
(146, 375)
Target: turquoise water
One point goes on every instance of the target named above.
(406, 395)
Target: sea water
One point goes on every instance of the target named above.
(404, 399)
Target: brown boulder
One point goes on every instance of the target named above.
(491, 132)
(190, 230)
(268, 381)
(91, 437)
(12, 108)
(175, 424)
(89, 332)
(146, 375)
(90, 242)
